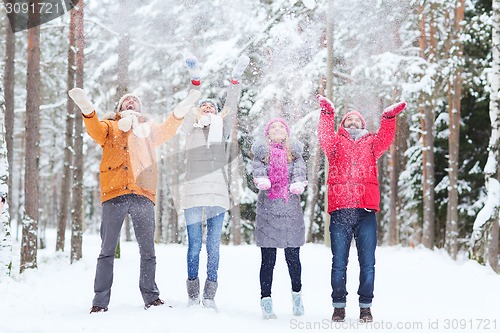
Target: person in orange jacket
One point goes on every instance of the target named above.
(128, 177)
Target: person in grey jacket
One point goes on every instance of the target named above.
(279, 171)
(205, 189)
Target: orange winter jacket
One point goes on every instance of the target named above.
(125, 156)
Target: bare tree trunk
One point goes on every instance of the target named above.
(6, 237)
(9, 83)
(63, 212)
(427, 126)
(29, 240)
(454, 97)
(329, 95)
(312, 189)
(393, 232)
(493, 246)
(77, 211)
(486, 223)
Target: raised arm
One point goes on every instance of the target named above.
(385, 135)
(98, 130)
(230, 109)
(163, 132)
(326, 125)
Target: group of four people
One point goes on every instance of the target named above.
(128, 186)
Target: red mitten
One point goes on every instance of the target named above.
(325, 104)
(393, 110)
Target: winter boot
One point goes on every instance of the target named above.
(156, 302)
(338, 314)
(266, 304)
(193, 289)
(365, 315)
(298, 306)
(96, 309)
(209, 294)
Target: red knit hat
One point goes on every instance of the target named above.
(353, 113)
(281, 120)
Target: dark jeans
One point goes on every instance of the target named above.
(292, 256)
(344, 224)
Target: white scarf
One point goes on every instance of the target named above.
(216, 126)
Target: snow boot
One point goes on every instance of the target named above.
(209, 294)
(156, 302)
(365, 315)
(266, 304)
(338, 315)
(96, 309)
(298, 306)
(193, 289)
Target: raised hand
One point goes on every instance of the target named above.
(325, 104)
(239, 68)
(393, 110)
(192, 64)
(186, 104)
(79, 96)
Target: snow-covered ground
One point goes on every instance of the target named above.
(416, 290)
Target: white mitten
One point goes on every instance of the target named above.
(298, 187)
(127, 120)
(262, 183)
(79, 96)
(142, 130)
(186, 104)
(194, 69)
(239, 68)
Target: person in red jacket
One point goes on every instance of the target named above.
(353, 196)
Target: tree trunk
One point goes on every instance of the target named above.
(312, 189)
(65, 193)
(77, 211)
(393, 232)
(329, 95)
(31, 216)
(9, 83)
(427, 127)
(454, 97)
(428, 177)
(5, 234)
(483, 229)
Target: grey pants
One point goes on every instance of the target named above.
(141, 210)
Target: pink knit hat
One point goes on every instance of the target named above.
(353, 113)
(281, 120)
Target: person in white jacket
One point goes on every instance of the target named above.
(205, 190)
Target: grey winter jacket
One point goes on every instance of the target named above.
(206, 182)
(279, 224)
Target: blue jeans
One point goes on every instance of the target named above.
(215, 218)
(344, 224)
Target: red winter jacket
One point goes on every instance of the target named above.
(353, 175)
